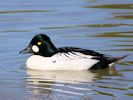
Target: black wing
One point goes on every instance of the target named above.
(104, 60)
(84, 51)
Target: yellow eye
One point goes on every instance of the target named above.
(39, 43)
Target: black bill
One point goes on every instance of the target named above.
(26, 50)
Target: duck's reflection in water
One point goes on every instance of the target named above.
(63, 83)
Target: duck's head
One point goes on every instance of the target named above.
(41, 45)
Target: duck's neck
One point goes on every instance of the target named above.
(51, 51)
(48, 51)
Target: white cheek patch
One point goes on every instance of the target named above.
(35, 48)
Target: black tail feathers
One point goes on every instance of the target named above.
(120, 58)
(107, 61)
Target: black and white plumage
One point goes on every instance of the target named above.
(47, 57)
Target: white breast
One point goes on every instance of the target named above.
(61, 61)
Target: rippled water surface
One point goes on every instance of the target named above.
(105, 26)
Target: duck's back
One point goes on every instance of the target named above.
(103, 60)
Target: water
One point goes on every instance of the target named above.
(100, 25)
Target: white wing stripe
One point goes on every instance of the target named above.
(71, 55)
(83, 55)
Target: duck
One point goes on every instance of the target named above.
(46, 56)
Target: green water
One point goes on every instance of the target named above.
(100, 25)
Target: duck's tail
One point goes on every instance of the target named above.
(116, 59)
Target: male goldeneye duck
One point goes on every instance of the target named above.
(47, 57)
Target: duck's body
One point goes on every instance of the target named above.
(48, 57)
(61, 61)
(37, 62)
